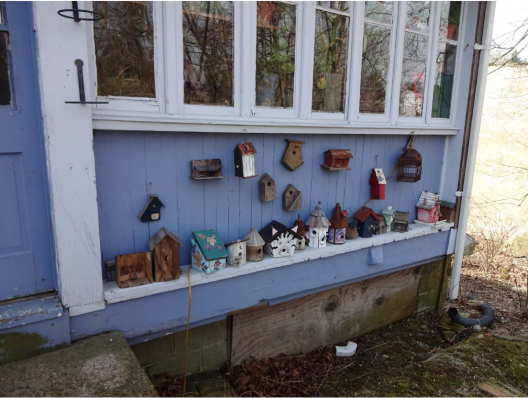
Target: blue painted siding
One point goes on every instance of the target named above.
(130, 165)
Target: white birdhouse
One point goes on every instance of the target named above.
(318, 226)
(237, 252)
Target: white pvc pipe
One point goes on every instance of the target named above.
(472, 148)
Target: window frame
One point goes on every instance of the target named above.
(4, 27)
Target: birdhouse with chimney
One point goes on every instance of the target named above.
(428, 207)
(292, 158)
(245, 160)
(338, 225)
(366, 221)
(254, 246)
(301, 231)
(337, 159)
(318, 226)
(377, 184)
(267, 189)
(281, 241)
(388, 214)
(237, 252)
(165, 249)
(401, 221)
(208, 253)
(381, 226)
(152, 209)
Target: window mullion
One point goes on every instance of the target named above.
(355, 60)
(398, 64)
(248, 54)
(159, 54)
(177, 58)
(307, 59)
(173, 81)
(435, 35)
(299, 40)
(238, 56)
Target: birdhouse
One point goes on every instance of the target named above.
(337, 159)
(409, 165)
(388, 214)
(448, 211)
(377, 184)
(134, 269)
(152, 209)
(366, 219)
(292, 158)
(237, 252)
(380, 225)
(281, 241)
(351, 230)
(338, 226)
(291, 198)
(267, 190)
(245, 160)
(208, 253)
(428, 207)
(301, 231)
(401, 221)
(165, 249)
(254, 246)
(208, 169)
(318, 226)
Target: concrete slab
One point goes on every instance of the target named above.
(99, 366)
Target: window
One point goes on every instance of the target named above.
(5, 83)
(330, 56)
(446, 58)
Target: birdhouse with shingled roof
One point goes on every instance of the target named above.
(318, 226)
(338, 226)
(254, 246)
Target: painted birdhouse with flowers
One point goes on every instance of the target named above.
(338, 226)
(208, 253)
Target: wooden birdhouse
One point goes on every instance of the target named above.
(338, 226)
(208, 253)
(428, 207)
(337, 159)
(318, 226)
(291, 198)
(281, 241)
(351, 230)
(292, 158)
(152, 209)
(254, 246)
(448, 210)
(245, 160)
(401, 221)
(380, 225)
(409, 165)
(301, 231)
(267, 190)
(165, 249)
(377, 184)
(366, 219)
(207, 169)
(388, 214)
(237, 252)
(134, 269)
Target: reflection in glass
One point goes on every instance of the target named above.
(418, 13)
(124, 48)
(1, 16)
(275, 67)
(413, 74)
(374, 69)
(330, 62)
(5, 89)
(379, 11)
(445, 73)
(208, 52)
(450, 20)
(335, 5)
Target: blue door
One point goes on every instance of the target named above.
(25, 238)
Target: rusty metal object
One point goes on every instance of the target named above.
(409, 165)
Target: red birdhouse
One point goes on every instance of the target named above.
(337, 159)
(428, 207)
(377, 184)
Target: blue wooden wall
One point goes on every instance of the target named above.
(130, 165)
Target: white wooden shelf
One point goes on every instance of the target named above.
(114, 294)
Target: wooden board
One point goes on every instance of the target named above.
(134, 269)
(338, 314)
(166, 260)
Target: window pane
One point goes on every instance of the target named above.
(330, 62)
(380, 11)
(450, 19)
(445, 73)
(124, 49)
(208, 52)
(413, 74)
(5, 89)
(418, 15)
(1, 16)
(374, 69)
(275, 54)
(335, 5)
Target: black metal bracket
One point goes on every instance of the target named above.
(75, 10)
(80, 77)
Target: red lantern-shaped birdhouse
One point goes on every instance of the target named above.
(337, 159)
(377, 184)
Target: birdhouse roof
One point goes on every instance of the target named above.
(301, 228)
(268, 235)
(236, 241)
(267, 178)
(340, 153)
(295, 142)
(254, 239)
(447, 204)
(247, 148)
(428, 200)
(318, 218)
(149, 201)
(363, 213)
(162, 233)
(210, 244)
(338, 219)
(377, 176)
(402, 216)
